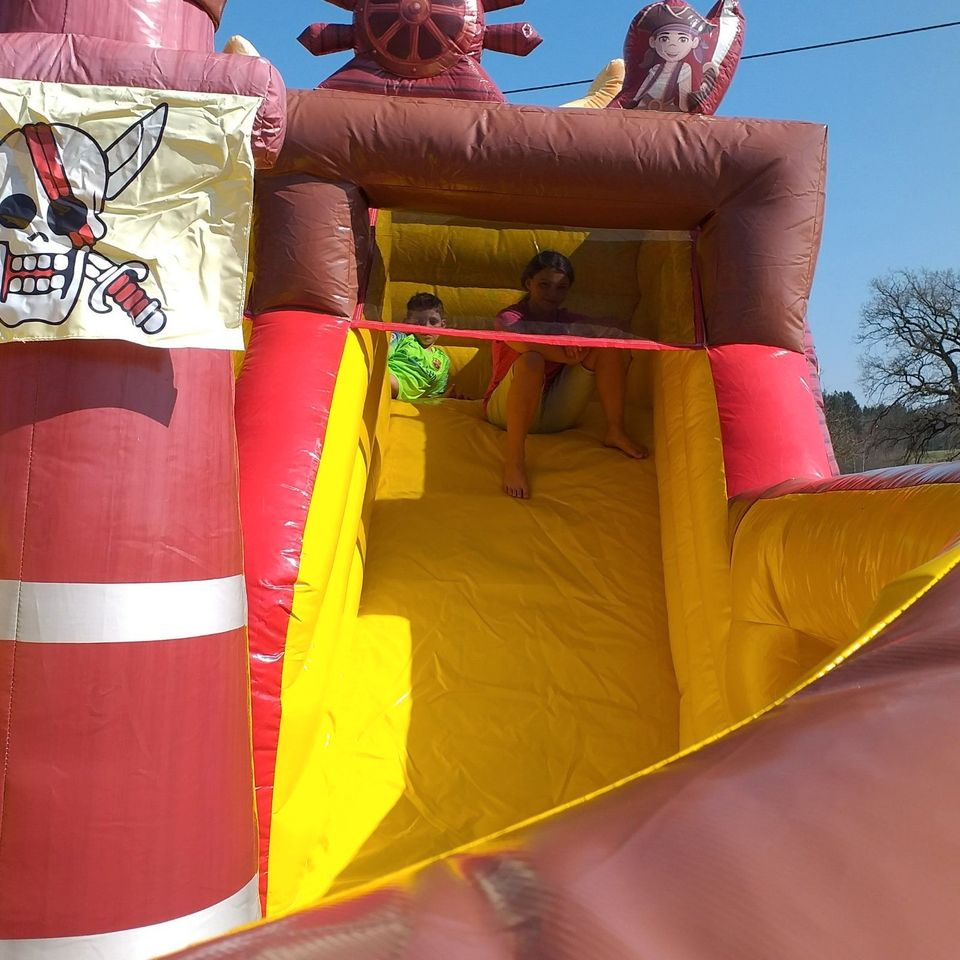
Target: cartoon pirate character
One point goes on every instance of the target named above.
(54, 181)
(675, 81)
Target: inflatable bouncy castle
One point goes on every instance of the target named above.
(275, 644)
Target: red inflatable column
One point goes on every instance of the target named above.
(279, 456)
(284, 394)
(127, 826)
(771, 418)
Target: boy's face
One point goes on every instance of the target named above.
(673, 44)
(426, 318)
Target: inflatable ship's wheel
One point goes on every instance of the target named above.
(420, 38)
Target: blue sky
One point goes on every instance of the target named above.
(893, 199)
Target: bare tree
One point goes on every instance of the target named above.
(911, 329)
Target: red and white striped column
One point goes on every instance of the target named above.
(127, 824)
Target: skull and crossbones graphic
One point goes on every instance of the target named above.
(54, 182)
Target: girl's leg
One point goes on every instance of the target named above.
(394, 387)
(611, 373)
(523, 403)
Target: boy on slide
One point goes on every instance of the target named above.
(418, 369)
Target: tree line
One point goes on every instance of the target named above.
(869, 437)
(910, 372)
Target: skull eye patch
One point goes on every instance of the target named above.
(66, 214)
(17, 211)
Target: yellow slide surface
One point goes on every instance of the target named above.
(516, 653)
(459, 662)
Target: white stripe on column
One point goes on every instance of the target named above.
(144, 943)
(120, 612)
(9, 592)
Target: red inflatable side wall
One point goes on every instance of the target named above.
(769, 417)
(283, 402)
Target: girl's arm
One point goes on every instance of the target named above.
(578, 325)
(549, 351)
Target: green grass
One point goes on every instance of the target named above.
(940, 456)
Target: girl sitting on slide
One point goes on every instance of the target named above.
(540, 388)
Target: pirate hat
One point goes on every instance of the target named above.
(666, 14)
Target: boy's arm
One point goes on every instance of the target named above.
(450, 389)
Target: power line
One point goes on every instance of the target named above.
(773, 53)
(842, 43)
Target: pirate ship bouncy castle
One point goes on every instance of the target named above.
(696, 700)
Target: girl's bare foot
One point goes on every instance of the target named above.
(515, 483)
(621, 441)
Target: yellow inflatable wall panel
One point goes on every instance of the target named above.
(475, 266)
(696, 555)
(808, 570)
(664, 310)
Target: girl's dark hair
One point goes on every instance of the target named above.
(546, 260)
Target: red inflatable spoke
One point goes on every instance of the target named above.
(436, 31)
(391, 32)
(414, 42)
